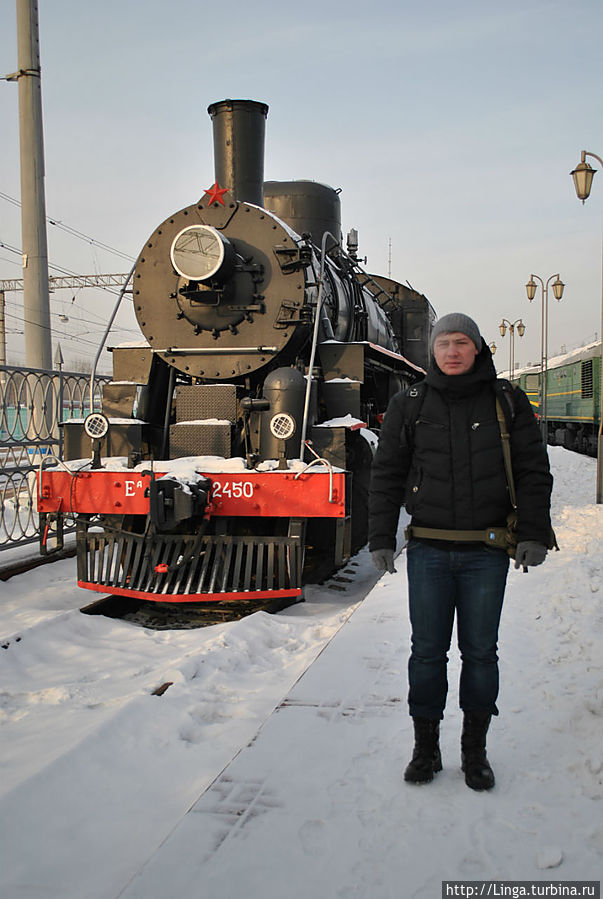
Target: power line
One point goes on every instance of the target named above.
(80, 339)
(100, 281)
(99, 322)
(97, 319)
(74, 231)
(7, 246)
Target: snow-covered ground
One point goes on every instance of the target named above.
(272, 767)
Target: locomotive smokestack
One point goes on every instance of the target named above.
(239, 128)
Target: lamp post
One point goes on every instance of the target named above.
(531, 286)
(583, 176)
(492, 347)
(521, 330)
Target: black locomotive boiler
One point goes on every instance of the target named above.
(230, 462)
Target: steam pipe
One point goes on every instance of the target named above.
(317, 318)
(106, 334)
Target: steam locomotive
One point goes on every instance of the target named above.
(231, 458)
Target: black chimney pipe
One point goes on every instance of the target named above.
(239, 127)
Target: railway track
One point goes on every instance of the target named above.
(186, 616)
(169, 616)
(24, 565)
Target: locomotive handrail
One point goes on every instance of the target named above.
(323, 253)
(50, 457)
(320, 461)
(216, 350)
(106, 334)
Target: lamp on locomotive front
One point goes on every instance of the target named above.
(96, 427)
(282, 426)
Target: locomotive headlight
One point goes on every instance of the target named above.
(96, 425)
(200, 252)
(282, 426)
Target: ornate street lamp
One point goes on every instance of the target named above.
(583, 176)
(531, 286)
(521, 330)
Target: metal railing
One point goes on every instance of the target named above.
(33, 404)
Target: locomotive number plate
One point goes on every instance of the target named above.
(234, 489)
(278, 494)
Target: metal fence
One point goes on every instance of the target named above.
(34, 404)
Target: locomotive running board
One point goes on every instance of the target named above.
(184, 568)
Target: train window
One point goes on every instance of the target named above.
(531, 382)
(413, 325)
(587, 379)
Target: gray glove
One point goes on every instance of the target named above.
(529, 553)
(383, 560)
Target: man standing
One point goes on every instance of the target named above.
(440, 454)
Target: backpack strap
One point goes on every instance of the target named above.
(504, 389)
(506, 448)
(416, 397)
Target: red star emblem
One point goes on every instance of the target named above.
(215, 193)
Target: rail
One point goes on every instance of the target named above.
(34, 403)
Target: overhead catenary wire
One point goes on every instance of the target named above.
(60, 269)
(74, 232)
(80, 338)
(96, 318)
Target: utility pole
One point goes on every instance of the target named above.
(2, 331)
(36, 302)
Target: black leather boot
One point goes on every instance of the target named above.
(426, 759)
(478, 773)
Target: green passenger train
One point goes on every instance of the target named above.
(573, 397)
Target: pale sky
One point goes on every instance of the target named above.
(451, 129)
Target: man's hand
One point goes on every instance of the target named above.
(529, 553)
(383, 560)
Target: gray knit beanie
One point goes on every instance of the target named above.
(457, 321)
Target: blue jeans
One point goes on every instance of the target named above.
(440, 582)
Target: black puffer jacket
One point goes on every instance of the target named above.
(449, 470)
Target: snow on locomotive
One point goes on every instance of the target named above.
(230, 462)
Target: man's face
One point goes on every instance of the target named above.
(454, 353)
